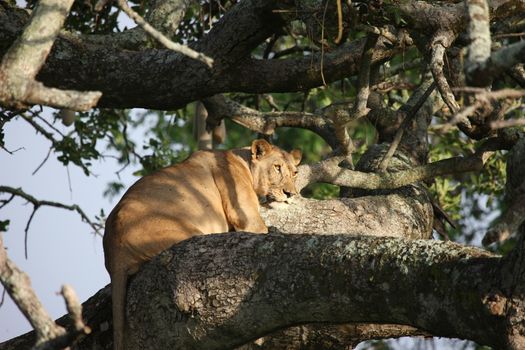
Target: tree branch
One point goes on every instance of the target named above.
(325, 171)
(480, 42)
(27, 55)
(39, 203)
(183, 49)
(220, 107)
(440, 42)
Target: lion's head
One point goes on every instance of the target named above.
(274, 171)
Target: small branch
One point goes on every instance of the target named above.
(5, 202)
(23, 60)
(440, 42)
(428, 87)
(162, 38)
(26, 230)
(40, 129)
(40, 203)
(42, 163)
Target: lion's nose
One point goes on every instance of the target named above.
(288, 193)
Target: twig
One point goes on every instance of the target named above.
(340, 118)
(428, 87)
(323, 44)
(26, 230)
(43, 162)
(40, 129)
(22, 62)
(162, 38)
(13, 151)
(49, 124)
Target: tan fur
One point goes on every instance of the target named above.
(210, 192)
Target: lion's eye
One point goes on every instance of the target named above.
(277, 167)
(295, 173)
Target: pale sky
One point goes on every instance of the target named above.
(61, 248)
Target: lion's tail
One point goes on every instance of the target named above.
(119, 279)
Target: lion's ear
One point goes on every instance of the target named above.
(296, 155)
(260, 148)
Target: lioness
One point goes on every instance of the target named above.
(211, 191)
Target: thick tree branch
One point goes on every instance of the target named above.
(258, 266)
(325, 171)
(25, 58)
